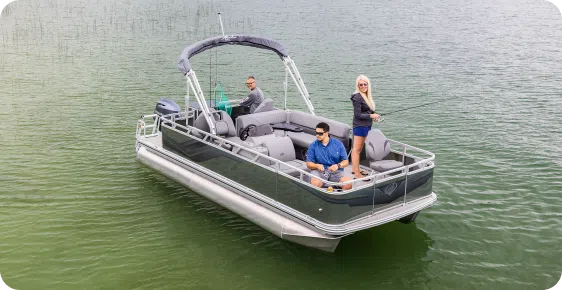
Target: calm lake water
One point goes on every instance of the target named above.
(77, 211)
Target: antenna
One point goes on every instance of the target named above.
(220, 20)
(217, 56)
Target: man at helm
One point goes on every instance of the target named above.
(255, 97)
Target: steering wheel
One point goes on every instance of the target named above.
(246, 132)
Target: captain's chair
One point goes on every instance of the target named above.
(223, 126)
(266, 105)
(377, 148)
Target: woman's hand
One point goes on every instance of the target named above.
(374, 116)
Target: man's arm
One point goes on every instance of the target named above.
(311, 159)
(250, 99)
(314, 166)
(341, 164)
(344, 163)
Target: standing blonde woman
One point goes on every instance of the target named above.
(363, 117)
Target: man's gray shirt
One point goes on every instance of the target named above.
(254, 99)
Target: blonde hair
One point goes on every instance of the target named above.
(366, 97)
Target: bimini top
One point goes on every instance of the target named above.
(248, 40)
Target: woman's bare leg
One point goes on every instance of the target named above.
(358, 143)
(345, 186)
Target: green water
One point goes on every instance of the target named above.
(77, 211)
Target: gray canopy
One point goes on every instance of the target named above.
(254, 41)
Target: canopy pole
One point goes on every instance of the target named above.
(294, 66)
(220, 21)
(187, 102)
(201, 100)
(298, 83)
(285, 85)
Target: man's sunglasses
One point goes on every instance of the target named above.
(249, 83)
(319, 133)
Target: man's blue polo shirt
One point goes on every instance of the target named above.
(332, 153)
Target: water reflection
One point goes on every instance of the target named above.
(369, 257)
(241, 249)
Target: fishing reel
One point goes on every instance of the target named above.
(380, 119)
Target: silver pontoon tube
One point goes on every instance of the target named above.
(261, 215)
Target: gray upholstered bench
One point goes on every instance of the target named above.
(280, 148)
(304, 120)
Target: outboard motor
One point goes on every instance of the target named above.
(167, 107)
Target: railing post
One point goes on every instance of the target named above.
(406, 185)
(374, 193)
(157, 125)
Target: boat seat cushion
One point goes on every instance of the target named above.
(221, 128)
(377, 147)
(297, 118)
(262, 118)
(279, 133)
(301, 139)
(259, 140)
(338, 129)
(224, 117)
(265, 106)
(385, 165)
(223, 123)
(280, 148)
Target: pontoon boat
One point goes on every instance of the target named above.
(263, 177)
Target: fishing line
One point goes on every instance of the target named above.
(384, 114)
(422, 105)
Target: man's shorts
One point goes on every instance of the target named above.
(328, 175)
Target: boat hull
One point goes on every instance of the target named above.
(237, 202)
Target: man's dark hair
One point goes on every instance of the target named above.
(323, 126)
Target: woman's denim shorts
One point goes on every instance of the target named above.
(361, 131)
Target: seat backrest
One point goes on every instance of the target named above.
(266, 105)
(224, 117)
(377, 146)
(303, 119)
(280, 148)
(223, 123)
(270, 117)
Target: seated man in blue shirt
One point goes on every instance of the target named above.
(326, 157)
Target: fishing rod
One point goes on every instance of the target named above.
(384, 114)
(422, 105)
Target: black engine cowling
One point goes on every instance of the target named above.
(166, 107)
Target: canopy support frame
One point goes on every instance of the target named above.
(295, 75)
(198, 93)
(194, 85)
